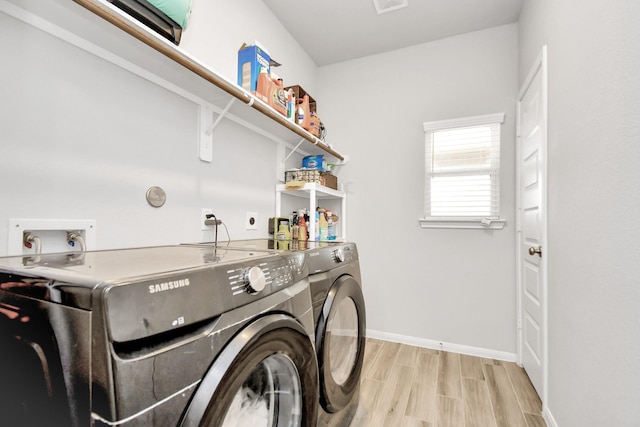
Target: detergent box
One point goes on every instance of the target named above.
(251, 60)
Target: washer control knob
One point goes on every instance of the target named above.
(338, 255)
(254, 280)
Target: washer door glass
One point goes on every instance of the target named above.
(270, 396)
(342, 331)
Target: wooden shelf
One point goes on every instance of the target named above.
(98, 25)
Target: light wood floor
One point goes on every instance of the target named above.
(410, 386)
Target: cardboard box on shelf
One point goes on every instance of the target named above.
(252, 59)
(299, 93)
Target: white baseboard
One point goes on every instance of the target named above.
(546, 414)
(439, 345)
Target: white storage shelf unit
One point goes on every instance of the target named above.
(315, 193)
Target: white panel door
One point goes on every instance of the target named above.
(532, 224)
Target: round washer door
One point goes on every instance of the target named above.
(340, 341)
(266, 376)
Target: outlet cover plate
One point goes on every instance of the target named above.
(203, 216)
(251, 221)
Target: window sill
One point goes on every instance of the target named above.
(494, 224)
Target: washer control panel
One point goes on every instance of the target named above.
(140, 308)
(325, 258)
(268, 275)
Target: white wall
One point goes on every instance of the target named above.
(217, 30)
(593, 174)
(83, 139)
(454, 286)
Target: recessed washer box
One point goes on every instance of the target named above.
(52, 241)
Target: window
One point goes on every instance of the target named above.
(462, 173)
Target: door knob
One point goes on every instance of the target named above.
(533, 251)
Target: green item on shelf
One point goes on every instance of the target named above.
(178, 10)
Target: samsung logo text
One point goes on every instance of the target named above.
(167, 286)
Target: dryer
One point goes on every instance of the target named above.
(163, 336)
(340, 316)
(340, 320)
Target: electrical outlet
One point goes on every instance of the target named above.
(203, 218)
(251, 222)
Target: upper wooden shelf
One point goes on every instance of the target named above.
(93, 21)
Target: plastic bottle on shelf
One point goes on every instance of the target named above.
(303, 113)
(323, 226)
(291, 106)
(294, 225)
(317, 227)
(272, 92)
(302, 226)
(331, 226)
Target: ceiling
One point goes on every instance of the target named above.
(333, 31)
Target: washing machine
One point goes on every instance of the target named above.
(340, 320)
(162, 336)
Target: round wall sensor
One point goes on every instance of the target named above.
(156, 196)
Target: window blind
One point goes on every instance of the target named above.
(462, 173)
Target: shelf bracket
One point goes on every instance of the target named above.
(293, 150)
(205, 140)
(220, 116)
(344, 161)
(282, 158)
(205, 147)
